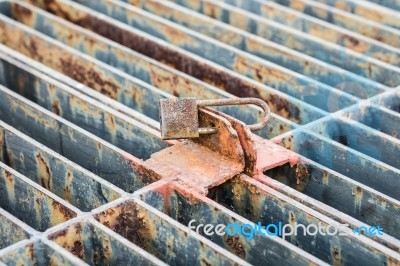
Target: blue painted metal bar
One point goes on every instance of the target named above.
(320, 29)
(346, 20)
(331, 53)
(303, 64)
(270, 74)
(346, 161)
(31, 203)
(90, 152)
(368, 10)
(137, 65)
(183, 206)
(229, 81)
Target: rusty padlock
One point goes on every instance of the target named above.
(179, 117)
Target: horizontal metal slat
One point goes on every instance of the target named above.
(346, 20)
(183, 206)
(229, 81)
(161, 236)
(368, 10)
(53, 172)
(346, 161)
(256, 202)
(265, 72)
(30, 203)
(320, 29)
(90, 152)
(333, 54)
(137, 65)
(94, 244)
(306, 65)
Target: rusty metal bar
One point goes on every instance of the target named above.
(161, 236)
(357, 63)
(368, 10)
(229, 81)
(12, 230)
(83, 84)
(94, 244)
(324, 185)
(53, 172)
(92, 153)
(346, 20)
(125, 133)
(320, 29)
(30, 202)
(256, 202)
(346, 161)
(265, 49)
(291, 83)
(184, 205)
(148, 70)
(39, 252)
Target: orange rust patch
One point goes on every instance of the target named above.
(44, 172)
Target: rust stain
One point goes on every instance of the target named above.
(354, 44)
(236, 246)
(336, 257)
(44, 172)
(56, 107)
(22, 14)
(130, 222)
(88, 75)
(70, 239)
(166, 190)
(60, 213)
(67, 195)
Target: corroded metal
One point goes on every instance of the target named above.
(87, 179)
(179, 117)
(207, 71)
(150, 71)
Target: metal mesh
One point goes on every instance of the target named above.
(80, 83)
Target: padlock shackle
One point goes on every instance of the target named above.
(242, 101)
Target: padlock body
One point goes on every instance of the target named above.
(179, 118)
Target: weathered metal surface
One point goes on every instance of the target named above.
(324, 185)
(334, 54)
(31, 203)
(263, 48)
(222, 78)
(101, 112)
(150, 71)
(368, 10)
(346, 20)
(11, 230)
(183, 205)
(233, 59)
(320, 29)
(351, 163)
(53, 172)
(93, 243)
(39, 253)
(179, 118)
(208, 160)
(361, 138)
(256, 202)
(103, 159)
(163, 237)
(107, 124)
(379, 118)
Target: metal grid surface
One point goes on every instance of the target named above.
(80, 83)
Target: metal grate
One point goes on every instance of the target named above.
(80, 83)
